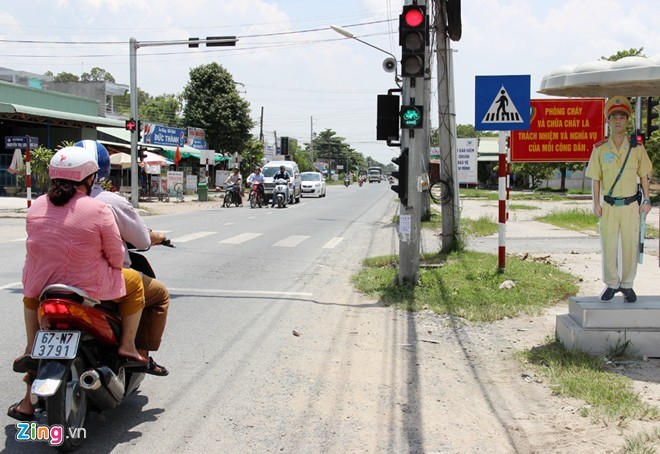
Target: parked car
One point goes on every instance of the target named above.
(313, 184)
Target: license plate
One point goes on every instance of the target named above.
(55, 344)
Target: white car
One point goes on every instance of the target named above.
(312, 184)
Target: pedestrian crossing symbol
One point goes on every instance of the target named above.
(502, 103)
(502, 110)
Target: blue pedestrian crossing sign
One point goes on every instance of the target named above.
(502, 103)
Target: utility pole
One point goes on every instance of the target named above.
(261, 125)
(311, 140)
(447, 127)
(134, 45)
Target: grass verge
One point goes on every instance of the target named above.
(609, 396)
(467, 284)
(579, 219)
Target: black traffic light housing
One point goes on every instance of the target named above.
(387, 121)
(139, 130)
(130, 125)
(651, 115)
(401, 175)
(284, 148)
(413, 39)
(142, 154)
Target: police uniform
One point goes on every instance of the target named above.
(620, 210)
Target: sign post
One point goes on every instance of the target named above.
(26, 143)
(502, 103)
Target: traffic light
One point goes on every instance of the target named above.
(130, 125)
(139, 130)
(284, 147)
(387, 119)
(412, 117)
(413, 38)
(651, 115)
(142, 153)
(401, 175)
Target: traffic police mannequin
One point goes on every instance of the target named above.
(619, 212)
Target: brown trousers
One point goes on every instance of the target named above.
(154, 315)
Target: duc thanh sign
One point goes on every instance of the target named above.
(561, 130)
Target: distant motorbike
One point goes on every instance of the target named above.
(280, 192)
(232, 195)
(347, 182)
(256, 196)
(79, 368)
(360, 181)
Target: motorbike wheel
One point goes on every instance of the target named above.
(227, 201)
(280, 202)
(68, 408)
(253, 202)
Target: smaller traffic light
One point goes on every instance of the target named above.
(139, 130)
(401, 187)
(130, 125)
(413, 38)
(412, 117)
(651, 115)
(284, 147)
(142, 154)
(387, 119)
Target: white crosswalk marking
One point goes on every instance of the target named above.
(191, 237)
(291, 241)
(333, 243)
(242, 238)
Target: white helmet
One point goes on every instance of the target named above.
(73, 163)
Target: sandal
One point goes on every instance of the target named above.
(133, 362)
(13, 412)
(156, 369)
(25, 364)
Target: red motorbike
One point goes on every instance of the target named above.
(256, 195)
(79, 368)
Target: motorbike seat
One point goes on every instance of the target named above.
(68, 292)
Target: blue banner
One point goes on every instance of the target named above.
(22, 142)
(156, 134)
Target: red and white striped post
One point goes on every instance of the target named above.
(503, 195)
(28, 177)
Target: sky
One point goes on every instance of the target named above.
(291, 65)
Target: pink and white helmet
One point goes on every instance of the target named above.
(73, 163)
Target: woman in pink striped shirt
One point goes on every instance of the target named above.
(73, 239)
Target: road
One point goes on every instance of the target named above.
(242, 280)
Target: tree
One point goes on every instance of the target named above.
(163, 109)
(213, 103)
(632, 52)
(97, 74)
(65, 77)
(331, 148)
(252, 153)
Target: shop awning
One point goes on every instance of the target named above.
(188, 152)
(22, 113)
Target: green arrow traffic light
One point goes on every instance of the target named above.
(412, 117)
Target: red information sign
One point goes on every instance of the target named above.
(560, 130)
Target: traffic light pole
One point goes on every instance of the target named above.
(133, 47)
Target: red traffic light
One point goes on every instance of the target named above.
(413, 17)
(131, 125)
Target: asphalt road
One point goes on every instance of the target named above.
(242, 280)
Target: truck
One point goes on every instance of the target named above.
(375, 174)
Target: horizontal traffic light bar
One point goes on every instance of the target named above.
(213, 41)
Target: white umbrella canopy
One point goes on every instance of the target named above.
(629, 76)
(122, 160)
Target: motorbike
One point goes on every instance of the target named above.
(360, 181)
(347, 182)
(232, 195)
(280, 192)
(256, 196)
(79, 368)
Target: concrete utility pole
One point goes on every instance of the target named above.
(447, 130)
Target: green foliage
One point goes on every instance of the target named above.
(64, 77)
(213, 103)
(581, 220)
(632, 52)
(97, 74)
(610, 396)
(39, 162)
(252, 154)
(329, 147)
(163, 109)
(467, 284)
(538, 171)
